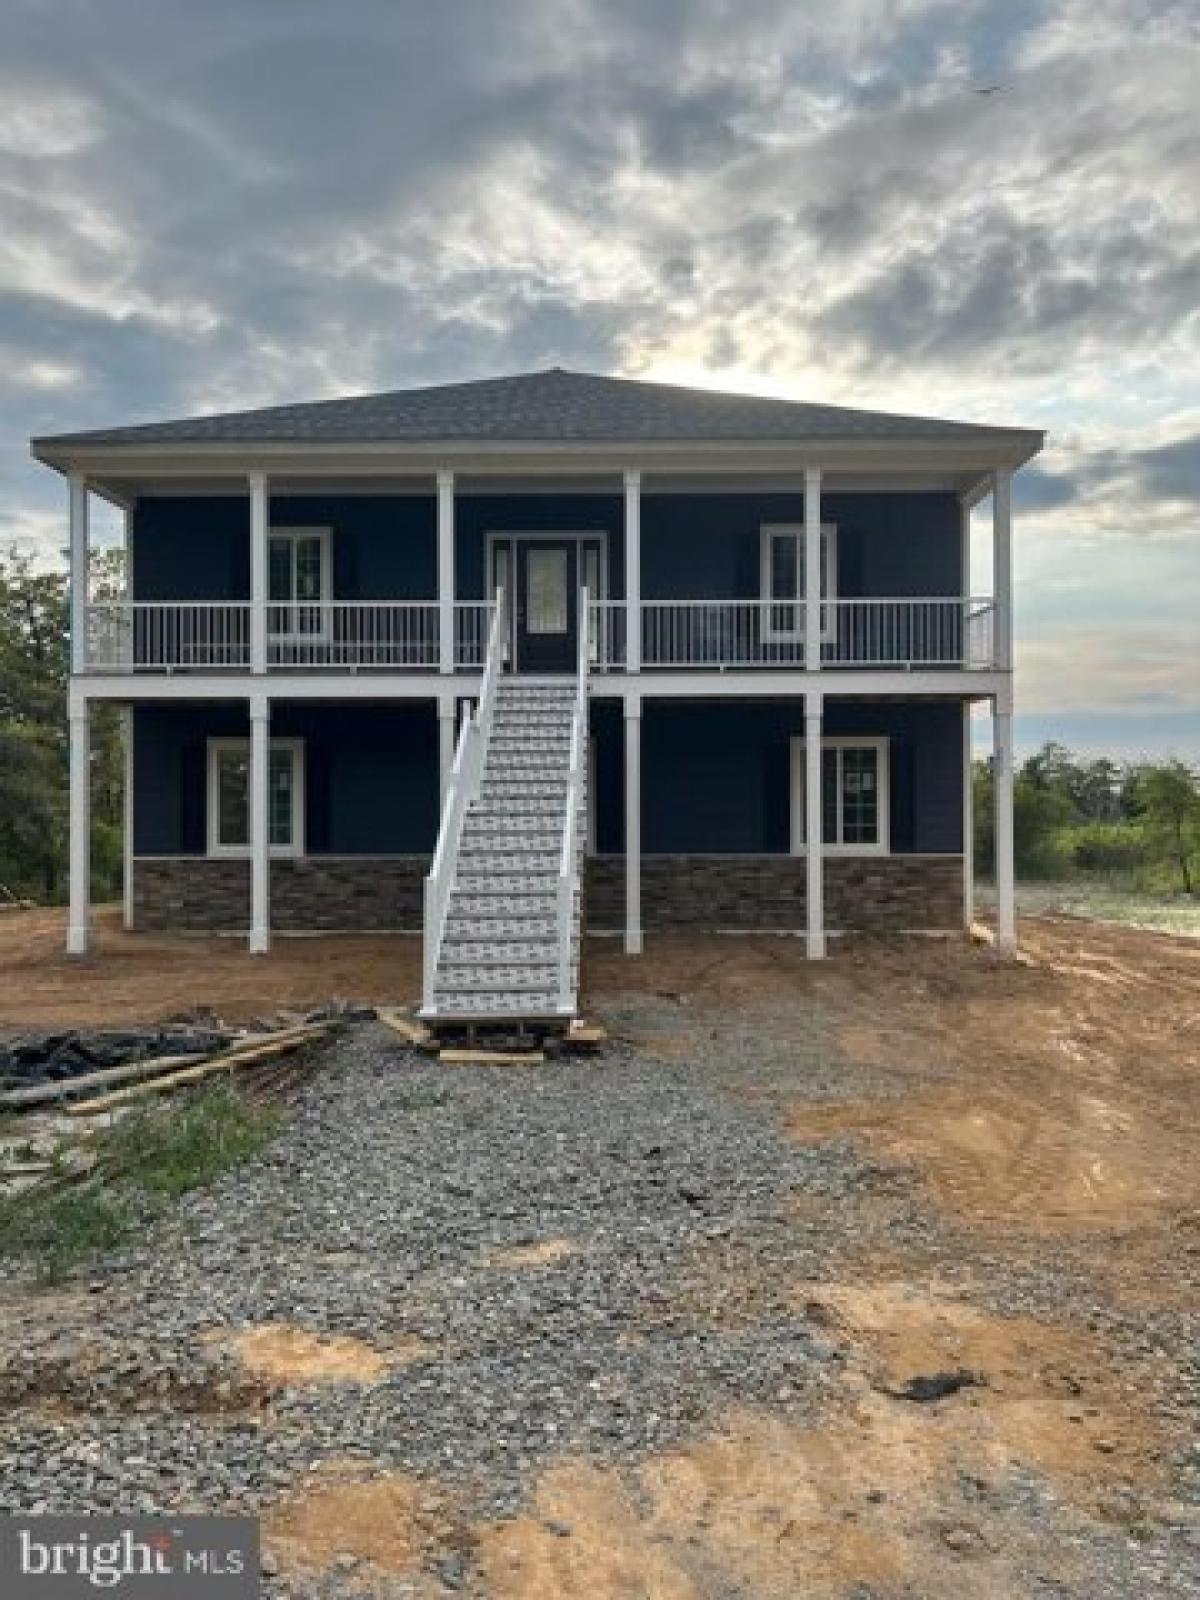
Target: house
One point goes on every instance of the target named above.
(617, 642)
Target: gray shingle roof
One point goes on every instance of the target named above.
(555, 406)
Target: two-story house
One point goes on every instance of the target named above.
(689, 624)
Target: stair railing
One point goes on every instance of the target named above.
(462, 788)
(568, 865)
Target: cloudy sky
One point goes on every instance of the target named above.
(217, 205)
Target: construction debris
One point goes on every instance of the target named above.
(51, 1069)
(36, 1059)
(258, 1048)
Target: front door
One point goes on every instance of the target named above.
(547, 603)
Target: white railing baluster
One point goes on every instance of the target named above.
(462, 789)
(745, 634)
(568, 862)
(393, 635)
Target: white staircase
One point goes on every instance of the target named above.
(503, 898)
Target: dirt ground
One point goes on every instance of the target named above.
(1048, 1109)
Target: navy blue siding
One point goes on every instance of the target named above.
(716, 776)
(707, 547)
(197, 548)
(371, 777)
(478, 515)
(693, 546)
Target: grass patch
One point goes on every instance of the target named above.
(143, 1162)
(167, 1151)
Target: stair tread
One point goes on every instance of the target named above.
(482, 1008)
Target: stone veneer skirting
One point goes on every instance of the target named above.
(767, 893)
(377, 893)
(315, 893)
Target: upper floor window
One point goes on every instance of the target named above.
(299, 581)
(782, 570)
(229, 797)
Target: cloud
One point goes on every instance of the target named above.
(242, 202)
(1171, 471)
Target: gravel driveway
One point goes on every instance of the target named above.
(604, 1263)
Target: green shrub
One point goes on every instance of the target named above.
(1105, 849)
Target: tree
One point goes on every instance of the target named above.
(1167, 798)
(33, 733)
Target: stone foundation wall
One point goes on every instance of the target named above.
(868, 893)
(333, 893)
(384, 893)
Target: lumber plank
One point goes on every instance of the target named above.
(492, 1058)
(412, 1032)
(240, 1055)
(587, 1033)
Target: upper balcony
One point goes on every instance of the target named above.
(385, 636)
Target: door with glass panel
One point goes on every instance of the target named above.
(547, 605)
(299, 583)
(541, 576)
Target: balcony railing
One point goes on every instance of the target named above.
(344, 635)
(403, 635)
(746, 634)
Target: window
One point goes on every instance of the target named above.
(781, 574)
(229, 797)
(854, 796)
(299, 580)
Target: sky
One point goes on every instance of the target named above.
(984, 209)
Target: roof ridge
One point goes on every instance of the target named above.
(550, 404)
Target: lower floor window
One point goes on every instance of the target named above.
(854, 796)
(229, 797)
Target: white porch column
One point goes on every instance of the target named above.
(1002, 777)
(445, 570)
(127, 806)
(814, 841)
(1002, 568)
(79, 915)
(968, 820)
(259, 521)
(446, 740)
(260, 824)
(812, 569)
(633, 575)
(633, 825)
(80, 551)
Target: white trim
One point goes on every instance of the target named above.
(846, 683)
(1002, 808)
(769, 531)
(797, 845)
(1002, 568)
(446, 582)
(968, 820)
(260, 518)
(632, 527)
(80, 559)
(633, 827)
(495, 537)
(127, 819)
(324, 536)
(79, 918)
(214, 847)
